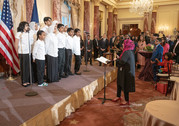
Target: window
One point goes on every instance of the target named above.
(66, 14)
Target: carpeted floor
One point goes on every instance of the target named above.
(16, 108)
(93, 113)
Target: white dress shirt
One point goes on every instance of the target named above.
(76, 45)
(45, 29)
(69, 43)
(39, 50)
(65, 33)
(23, 46)
(61, 40)
(51, 45)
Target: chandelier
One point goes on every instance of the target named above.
(141, 6)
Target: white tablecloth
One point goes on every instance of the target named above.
(161, 113)
(175, 91)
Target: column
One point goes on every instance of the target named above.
(146, 23)
(87, 15)
(110, 22)
(153, 23)
(115, 21)
(29, 8)
(56, 10)
(96, 17)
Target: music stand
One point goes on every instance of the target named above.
(105, 64)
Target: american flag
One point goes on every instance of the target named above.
(7, 38)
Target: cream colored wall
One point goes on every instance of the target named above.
(44, 9)
(125, 17)
(167, 16)
(21, 14)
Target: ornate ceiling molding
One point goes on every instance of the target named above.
(125, 3)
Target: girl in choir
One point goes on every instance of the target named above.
(39, 57)
(22, 47)
(51, 42)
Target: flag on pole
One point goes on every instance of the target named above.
(7, 38)
(35, 17)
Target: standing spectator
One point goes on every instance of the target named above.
(141, 45)
(157, 54)
(103, 46)
(89, 50)
(96, 47)
(165, 46)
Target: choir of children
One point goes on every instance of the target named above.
(52, 46)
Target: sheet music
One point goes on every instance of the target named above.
(102, 60)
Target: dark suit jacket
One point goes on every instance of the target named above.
(157, 53)
(111, 42)
(89, 45)
(103, 44)
(176, 49)
(95, 44)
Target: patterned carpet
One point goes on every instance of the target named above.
(93, 113)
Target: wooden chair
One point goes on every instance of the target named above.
(166, 77)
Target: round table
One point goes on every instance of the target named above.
(146, 74)
(175, 91)
(161, 113)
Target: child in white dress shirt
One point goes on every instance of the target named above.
(51, 44)
(77, 51)
(39, 57)
(22, 47)
(61, 50)
(68, 51)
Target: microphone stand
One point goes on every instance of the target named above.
(86, 62)
(30, 93)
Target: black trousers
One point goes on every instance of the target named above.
(77, 63)
(68, 60)
(61, 61)
(24, 67)
(89, 57)
(126, 94)
(52, 69)
(95, 53)
(40, 65)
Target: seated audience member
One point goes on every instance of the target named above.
(157, 53)
(165, 62)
